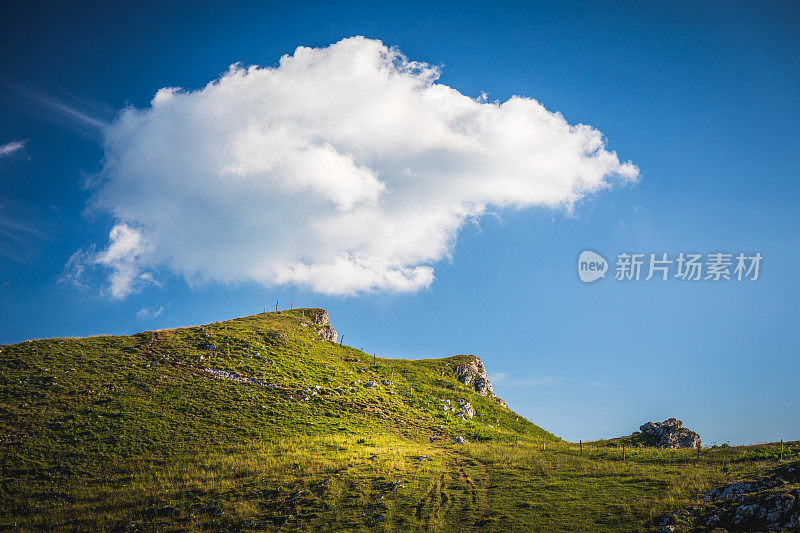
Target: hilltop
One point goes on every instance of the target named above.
(266, 422)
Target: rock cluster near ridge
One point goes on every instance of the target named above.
(670, 434)
(473, 374)
(320, 318)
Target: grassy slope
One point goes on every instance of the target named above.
(129, 432)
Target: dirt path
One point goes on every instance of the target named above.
(483, 510)
(477, 493)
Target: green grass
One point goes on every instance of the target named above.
(126, 432)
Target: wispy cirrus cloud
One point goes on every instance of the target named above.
(81, 115)
(17, 230)
(507, 380)
(82, 118)
(11, 148)
(147, 313)
(342, 170)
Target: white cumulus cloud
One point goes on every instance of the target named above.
(342, 170)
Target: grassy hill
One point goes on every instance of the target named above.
(259, 423)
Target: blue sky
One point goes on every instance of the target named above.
(703, 99)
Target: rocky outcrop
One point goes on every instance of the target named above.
(670, 434)
(767, 504)
(472, 373)
(321, 319)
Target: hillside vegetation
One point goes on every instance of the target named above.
(259, 423)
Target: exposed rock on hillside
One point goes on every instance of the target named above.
(669, 434)
(765, 504)
(320, 318)
(473, 374)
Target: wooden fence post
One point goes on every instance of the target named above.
(623, 451)
(580, 443)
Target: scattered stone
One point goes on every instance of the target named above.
(386, 382)
(370, 384)
(755, 505)
(466, 408)
(460, 440)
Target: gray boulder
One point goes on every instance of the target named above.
(466, 408)
(671, 434)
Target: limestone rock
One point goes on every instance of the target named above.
(466, 408)
(768, 503)
(671, 434)
(473, 374)
(321, 319)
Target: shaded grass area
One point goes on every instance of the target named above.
(133, 432)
